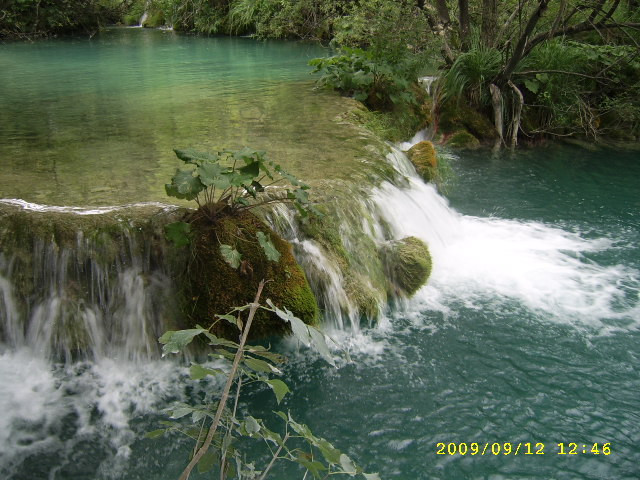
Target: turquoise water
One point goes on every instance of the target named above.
(527, 332)
(95, 122)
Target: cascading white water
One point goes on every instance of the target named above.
(539, 265)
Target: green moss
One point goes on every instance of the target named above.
(423, 157)
(463, 139)
(455, 116)
(408, 264)
(366, 298)
(216, 287)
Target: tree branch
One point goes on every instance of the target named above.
(227, 387)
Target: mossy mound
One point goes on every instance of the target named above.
(423, 157)
(216, 287)
(463, 140)
(455, 117)
(408, 264)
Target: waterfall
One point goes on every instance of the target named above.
(81, 294)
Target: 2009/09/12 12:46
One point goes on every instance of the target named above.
(521, 448)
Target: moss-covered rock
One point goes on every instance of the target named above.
(364, 296)
(216, 287)
(463, 140)
(408, 264)
(423, 157)
(455, 116)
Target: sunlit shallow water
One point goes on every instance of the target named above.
(527, 333)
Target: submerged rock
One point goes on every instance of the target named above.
(408, 264)
(216, 287)
(423, 157)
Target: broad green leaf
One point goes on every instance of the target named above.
(185, 184)
(198, 372)
(178, 233)
(175, 340)
(260, 365)
(197, 416)
(156, 433)
(282, 415)
(318, 340)
(181, 412)
(314, 466)
(210, 173)
(251, 169)
(251, 425)
(207, 462)
(279, 388)
(300, 330)
(230, 255)
(269, 248)
(194, 157)
(329, 452)
(347, 465)
(532, 85)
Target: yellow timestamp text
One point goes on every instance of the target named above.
(522, 448)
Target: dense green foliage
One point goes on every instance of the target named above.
(30, 18)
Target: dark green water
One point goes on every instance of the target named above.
(527, 332)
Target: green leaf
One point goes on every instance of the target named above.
(181, 412)
(329, 452)
(210, 174)
(269, 249)
(532, 85)
(280, 389)
(184, 185)
(178, 233)
(260, 365)
(207, 462)
(230, 255)
(282, 415)
(318, 340)
(251, 169)
(543, 77)
(197, 416)
(347, 465)
(371, 476)
(175, 340)
(251, 425)
(198, 372)
(196, 158)
(156, 433)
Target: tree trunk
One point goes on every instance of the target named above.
(489, 22)
(496, 100)
(517, 114)
(465, 28)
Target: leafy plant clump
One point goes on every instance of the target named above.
(231, 181)
(379, 83)
(217, 428)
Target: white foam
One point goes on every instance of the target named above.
(474, 259)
